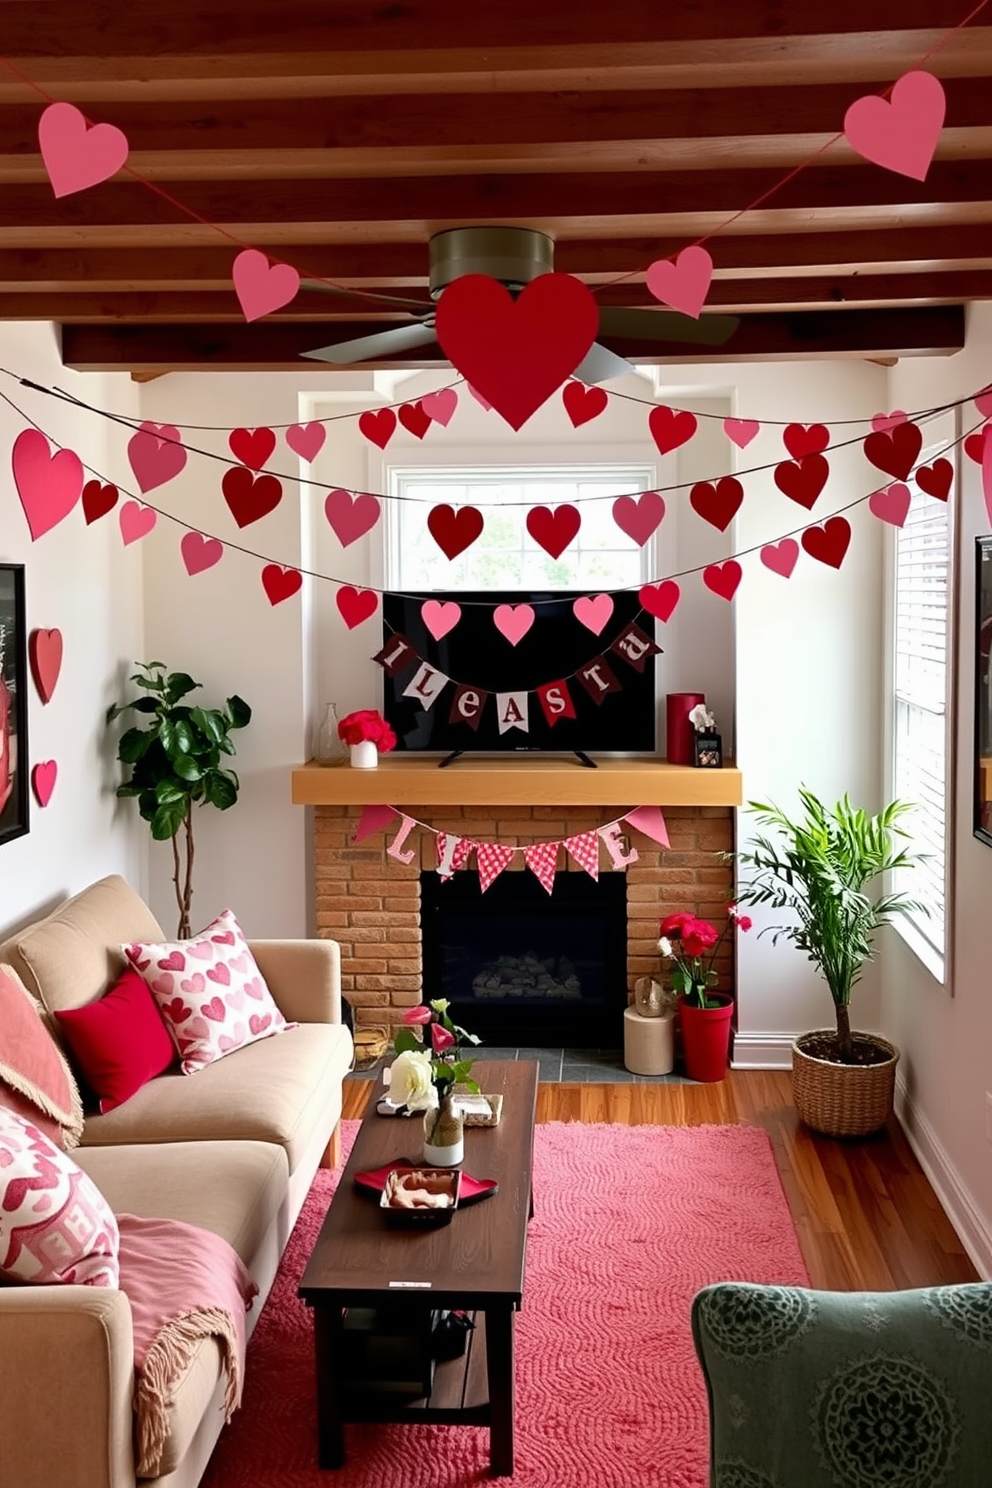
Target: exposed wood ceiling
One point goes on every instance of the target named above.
(339, 136)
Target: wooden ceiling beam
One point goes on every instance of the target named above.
(278, 346)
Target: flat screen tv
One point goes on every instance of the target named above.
(557, 647)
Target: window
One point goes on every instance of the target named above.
(921, 590)
(505, 556)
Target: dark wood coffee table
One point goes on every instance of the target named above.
(474, 1264)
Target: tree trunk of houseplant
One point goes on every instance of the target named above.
(182, 873)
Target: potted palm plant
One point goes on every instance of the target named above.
(826, 868)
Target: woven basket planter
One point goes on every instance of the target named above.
(843, 1100)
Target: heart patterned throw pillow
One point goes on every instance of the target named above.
(209, 991)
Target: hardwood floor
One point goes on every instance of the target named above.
(866, 1216)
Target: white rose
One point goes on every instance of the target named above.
(411, 1080)
(665, 946)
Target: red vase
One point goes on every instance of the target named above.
(706, 1039)
(680, 747)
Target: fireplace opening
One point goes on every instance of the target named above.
(526, 969)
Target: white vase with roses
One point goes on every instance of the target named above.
(423, 1078)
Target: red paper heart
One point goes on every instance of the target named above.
(155, 454)
(829, 543)
(43, 778)
(98, 500)
(280, 583)
(49, 485)
(660, 599)
(350, 516)
(45, 655)
(669, 429)
(583, 403)
(639, 516)
(452, 530)
(440, 406)
(802, 480)
(553, 530)
(936, 479)
(781, 557)
(252, 446)
(806, 439)
(378, 427)
(415, 419)
(250, 497)
(723, 578)
(899, 134)
(306, 440)
(895, 450)
(717, 504)
(200, 553)
(974, 445)
(517, 352)
(355, 605)
(78, 155)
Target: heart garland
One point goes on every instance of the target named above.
(683, 284)
(263, 287)
(582, 403)
(639, 516)
(671, 429)
(155, 454)
(77, 155)
(454, 530)
(136, 521)
(252, 447)
(49, 485)
(306, 440)
(717, 504)
(280, 583)
(891, 505)
(351, 516)
(199, 552)
(802, 480)
(829, 543)
(901, 133)
(553, 530)
(98, 500)
(250, 497)
(894, 450)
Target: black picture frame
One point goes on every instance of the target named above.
(15, 818)
(708, 747)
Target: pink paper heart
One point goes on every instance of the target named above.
(900, 135)
(43, 778)
(235, 998)
(639, 516)
(882, 423)
(440, 617)
(781, 557)
(593, 611)
(440, 406)
(262, 287)
(214, 1010)
(513, 621)
(891, 505)
(136, 521)
(350, 517)
(194, 985)
(174, 961)
(741, 431)
(78, 155)
(258, 1022)
(155, 454)
(48, 485)
(683, 284)
(199, 552)
(201, 949)
(306, 440)
(984, 402)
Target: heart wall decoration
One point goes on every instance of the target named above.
(639, 516)
(350, 517)
(155, 454)
(43, 778)
(45, 657)
(48, 485)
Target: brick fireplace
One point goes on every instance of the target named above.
(370, 903)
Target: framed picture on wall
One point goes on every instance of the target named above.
(983, 689)
(14, 797)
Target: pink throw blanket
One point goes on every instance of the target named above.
(184, 1284)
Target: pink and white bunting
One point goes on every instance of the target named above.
(542, 860)
(492, 858)
(584, 848)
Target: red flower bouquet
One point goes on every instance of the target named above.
(367, 726)
(686, 941)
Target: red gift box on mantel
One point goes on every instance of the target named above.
(681, 734)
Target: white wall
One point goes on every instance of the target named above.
(84, 582)
(945, 1031)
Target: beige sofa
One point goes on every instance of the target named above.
(233, 1148)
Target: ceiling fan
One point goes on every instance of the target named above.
(515, 256)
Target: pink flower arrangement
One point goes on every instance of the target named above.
(367, 726)
(685, 940)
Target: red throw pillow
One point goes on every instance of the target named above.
(120, 1041)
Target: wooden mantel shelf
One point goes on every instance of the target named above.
(544, 780)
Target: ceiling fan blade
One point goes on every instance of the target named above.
(600, 364)
(368, 348)
(667, 325)
(422, 306)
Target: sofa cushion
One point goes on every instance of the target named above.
(55, 1225)
(119, 1042)
(35, 1080)
(235, 1189)
(271, 1091)
(73, 956)
(209, 991)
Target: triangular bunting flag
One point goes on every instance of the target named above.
(373, 819)
(584, 848)
(649, 820)
(542, 859)
(492, 858)
(452, 854)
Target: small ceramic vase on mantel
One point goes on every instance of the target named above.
(365, 755)
(444, 1134)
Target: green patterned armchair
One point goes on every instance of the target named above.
(847, 1389)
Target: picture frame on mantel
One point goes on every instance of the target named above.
(14, 769)
(983, 690)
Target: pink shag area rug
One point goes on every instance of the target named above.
(630, 1223)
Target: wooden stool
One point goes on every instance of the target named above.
(648, 1043)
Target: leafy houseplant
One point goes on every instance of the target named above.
(823, 868)
(175, 761)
